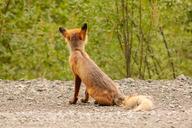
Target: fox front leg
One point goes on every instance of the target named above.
(77, 88)
(85, 100)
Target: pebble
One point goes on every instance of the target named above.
(172, 105)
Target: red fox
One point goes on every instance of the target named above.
(98, 85)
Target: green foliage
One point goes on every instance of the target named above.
(32, 47)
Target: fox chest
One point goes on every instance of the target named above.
(73, 64)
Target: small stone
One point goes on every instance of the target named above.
(59, 96)
(180, 84)
(10, 98)
(149, 81)
(181, 77)
(130, 79)
(171, 105)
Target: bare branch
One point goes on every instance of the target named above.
(168, 52)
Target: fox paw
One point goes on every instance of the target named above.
(95, 102)
(73, 101)
(84, 100)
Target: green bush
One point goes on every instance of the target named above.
(32, 47)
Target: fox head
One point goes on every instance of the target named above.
(75, 38)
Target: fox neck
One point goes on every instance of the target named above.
(75, 48)
(76, 45)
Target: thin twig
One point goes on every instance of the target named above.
(168, 52)
(6, 7)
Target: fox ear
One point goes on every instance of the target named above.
(62, 31)
(83, 31)
(84, 27)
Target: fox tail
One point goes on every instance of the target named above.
(138, 103)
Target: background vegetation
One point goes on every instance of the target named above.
(147, 39)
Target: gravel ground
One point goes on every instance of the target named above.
(41, 103)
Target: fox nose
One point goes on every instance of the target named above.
(61, 29)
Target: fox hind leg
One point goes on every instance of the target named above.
(104, 101)
(85, 100)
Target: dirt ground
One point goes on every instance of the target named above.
(42, 103)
